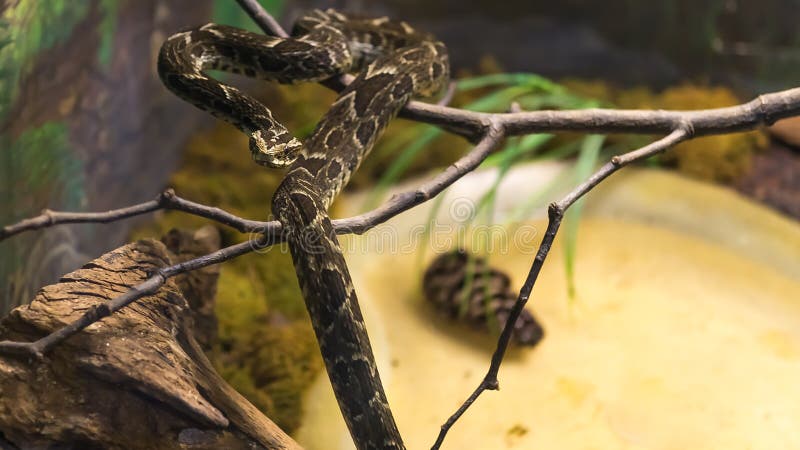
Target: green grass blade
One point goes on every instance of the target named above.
(517, 148)
(555, 100)
(425, 238)
(499, 100)
(517, 79)
(587, 160)
(401, 163)
(527, 145)
(493, 102)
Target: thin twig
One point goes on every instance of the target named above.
(449, 93)
(409, 199)
(260, 16)
(555, 213)
(166, 200)
(762, 110)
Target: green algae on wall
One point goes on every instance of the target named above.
(39, 167)
(27, 28)
(50, 168)
(106, 29)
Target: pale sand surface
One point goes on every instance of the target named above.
(685, 332)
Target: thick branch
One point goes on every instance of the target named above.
(555, 213)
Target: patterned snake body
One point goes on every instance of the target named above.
(394, 63)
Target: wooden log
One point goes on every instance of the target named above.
(137, 379)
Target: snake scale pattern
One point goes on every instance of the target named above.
(463, 286)
(393, 63)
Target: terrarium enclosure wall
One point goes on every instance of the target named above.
(666, 315)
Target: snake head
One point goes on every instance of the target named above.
(274, 151)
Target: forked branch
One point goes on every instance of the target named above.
(555, 214)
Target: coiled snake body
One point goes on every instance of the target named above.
(394, 63)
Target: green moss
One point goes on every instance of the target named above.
(107, 28)
(271, 365)
(243, 302)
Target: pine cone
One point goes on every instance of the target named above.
(464, 287)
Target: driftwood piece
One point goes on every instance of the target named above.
(137, 379)
(199, 287)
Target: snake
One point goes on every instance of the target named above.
(392, 63)
(464, 287)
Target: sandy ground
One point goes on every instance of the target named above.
(684, 333)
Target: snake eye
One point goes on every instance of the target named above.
(269, 153)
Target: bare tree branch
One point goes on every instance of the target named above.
(555, 213)
(409, 199)
(262, 18)
(273, 229)
(165, 200)
(764, 109)
(449, 93)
